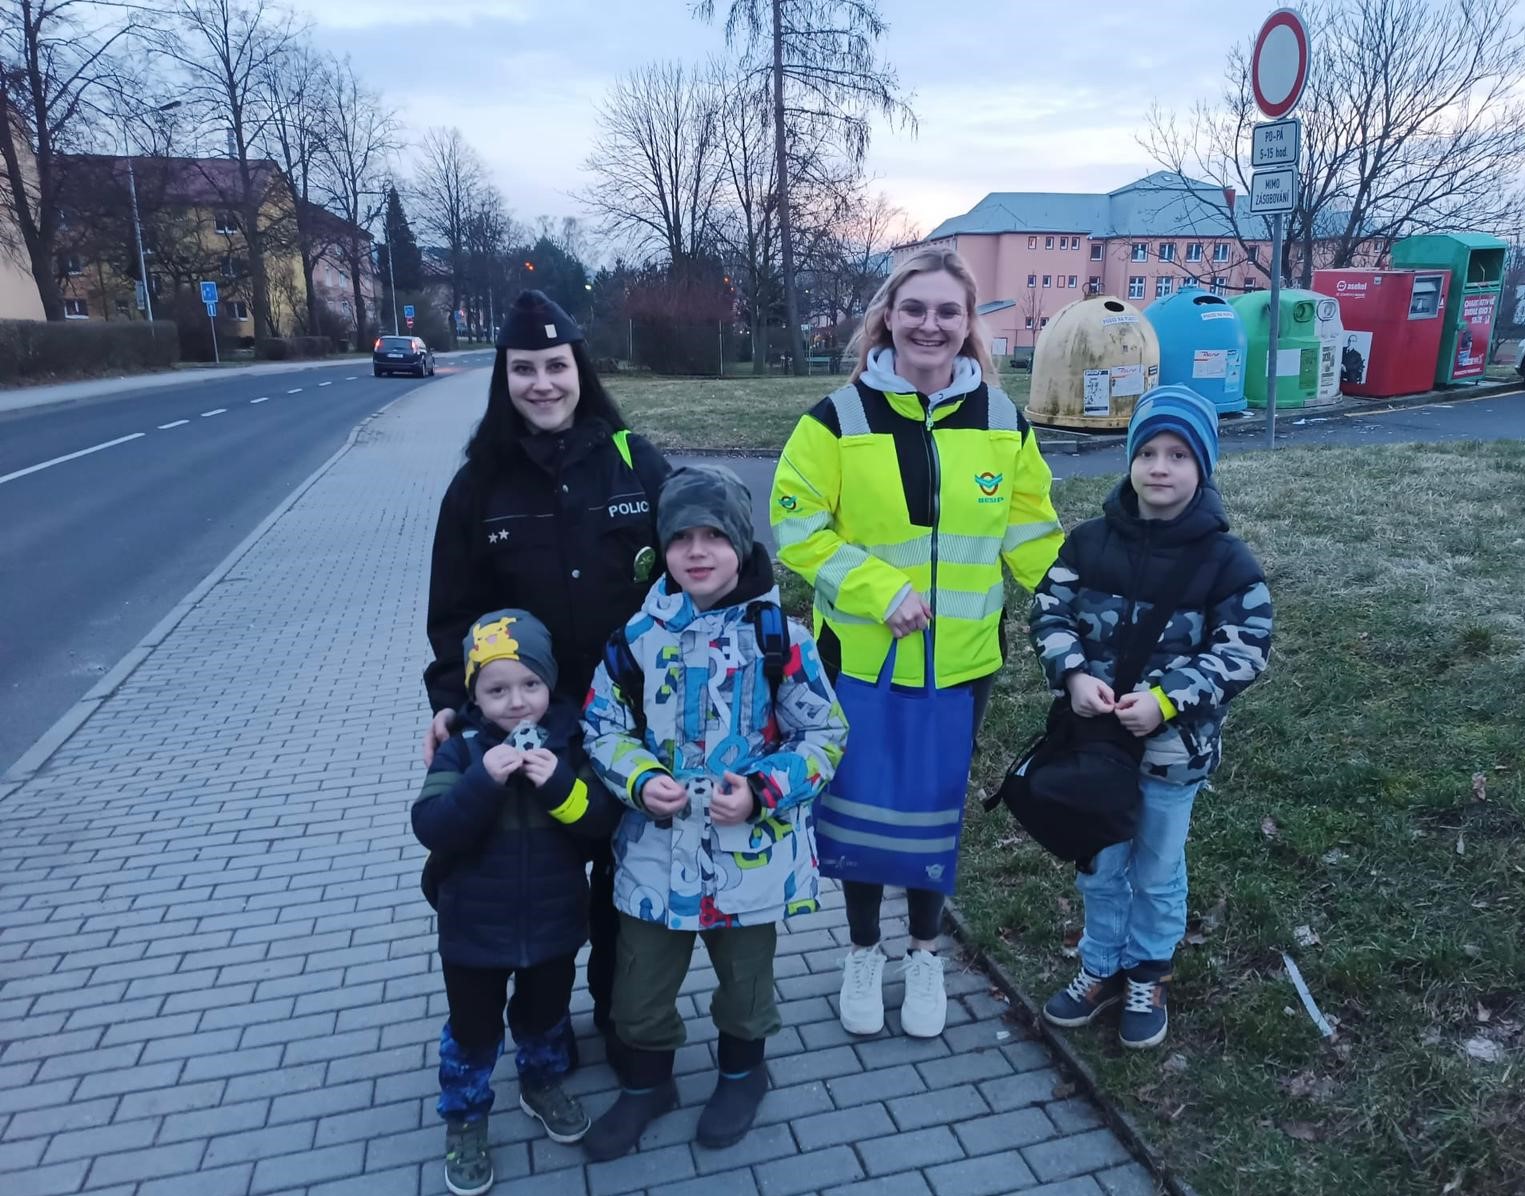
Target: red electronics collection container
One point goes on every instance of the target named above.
(1393, 328)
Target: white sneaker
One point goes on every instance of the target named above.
(862, 1000)
(925, 1010)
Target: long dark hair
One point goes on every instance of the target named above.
(502, 426)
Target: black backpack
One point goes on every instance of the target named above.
(772, 637)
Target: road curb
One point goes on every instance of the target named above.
(1031, 1015)
(35, 758)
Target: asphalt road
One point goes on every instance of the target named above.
(97, 548)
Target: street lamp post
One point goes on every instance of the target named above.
(137, 224)
(386, 227)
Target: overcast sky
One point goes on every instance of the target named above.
(1011, 95)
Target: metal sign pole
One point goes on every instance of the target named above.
(1273, 353)
(212, 320)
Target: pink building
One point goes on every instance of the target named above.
(1034, 252)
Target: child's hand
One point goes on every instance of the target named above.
(502, 762)
(732, 801)
(663, 797)
(539, 764)
(1089, 696)
(1139, 712)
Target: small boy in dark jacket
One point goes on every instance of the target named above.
(509, 883)
(1214, 645)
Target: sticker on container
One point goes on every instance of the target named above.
(1233, 372)
(1289, 362)
(1355, 358)
(1127, 380)
(1125, 318)
(1097, 400)
(1209, 363)
(1220, 313)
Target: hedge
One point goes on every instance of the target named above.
(291, 348)
(43, 351)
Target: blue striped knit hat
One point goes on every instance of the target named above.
(1181, 410)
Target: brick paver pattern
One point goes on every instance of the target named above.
(217, 973)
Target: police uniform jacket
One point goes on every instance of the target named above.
(567, 531)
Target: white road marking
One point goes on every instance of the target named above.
(213, 411)
(95, 448)
(351, 378)
(264, 399)
(297, 391)
(328, 383)
(176, 424)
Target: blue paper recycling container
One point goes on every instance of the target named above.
(1203, 345)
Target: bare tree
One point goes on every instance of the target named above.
(57, 64)
(855, 257)
(360, 137)
(656, 169)
(299, 91)
(447, 188)
(819, 57)
(748, 229)
(1412, 121)
(227, 51)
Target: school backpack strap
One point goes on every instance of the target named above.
(773, 642)
(625, 671)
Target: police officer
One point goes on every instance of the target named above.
(554, 512)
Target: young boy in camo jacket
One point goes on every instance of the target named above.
(1214, 645)
(500, 810)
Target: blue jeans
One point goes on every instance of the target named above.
(1135, 900)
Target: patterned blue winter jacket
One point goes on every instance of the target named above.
(1215, 644)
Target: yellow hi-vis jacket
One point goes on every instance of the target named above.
(874, 495)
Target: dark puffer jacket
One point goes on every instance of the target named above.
(512, 888)
(1215, 644)
(569, 532)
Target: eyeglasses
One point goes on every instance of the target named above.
(915, 311)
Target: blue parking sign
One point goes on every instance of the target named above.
(407, 311)
(209, 293)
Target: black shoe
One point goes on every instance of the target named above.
(619, 1130)
(732, 1108)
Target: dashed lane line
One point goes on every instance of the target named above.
(297, 391)
(176, 424)
(214, 411)
(85, 452)
(261, 399)
(323, 384)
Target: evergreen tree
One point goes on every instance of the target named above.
(410, 262)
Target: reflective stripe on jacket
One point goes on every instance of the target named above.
(875, 494)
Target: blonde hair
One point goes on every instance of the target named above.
(874, 332)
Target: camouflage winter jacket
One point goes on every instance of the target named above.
(1214, 645)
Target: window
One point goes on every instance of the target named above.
(1074, 282)
(1096, 251)
(1093, 286)
(1253, 255)
(1032, 242)
(1250, 283)
(1048, 280)
(1059, 282)
(1220, 252)
(235, 309)
(76, 309)
(1167, 251)
(1032, 280)
(1043, 323)
(225, 222)
(1163, 285)
(1140, 252)
(1064, 242)
(1048, 242)
(69, 263)
(233, 266)
(1029, 323)
(1218, 281)
(155, 284)
(121, 308)
(1135, 286)
(1194, 252)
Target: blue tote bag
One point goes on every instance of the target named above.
(893, 812)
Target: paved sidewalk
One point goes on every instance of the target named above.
(217, 973)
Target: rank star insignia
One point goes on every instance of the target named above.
(494, 537)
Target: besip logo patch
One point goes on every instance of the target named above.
(989, 482)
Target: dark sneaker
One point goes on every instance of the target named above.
(562, 1116)
(617, 1131)
(1145, 1015)
(468, 1166)
(1087, 997)
(732, 1108)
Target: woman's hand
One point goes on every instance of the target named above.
(913, 614)
(502, 762)
(539, 764)
(1139, 712)
(663, 796)
(438, 732)
(1089, 696)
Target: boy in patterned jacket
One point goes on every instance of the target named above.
(717, 841)
(1213, 646)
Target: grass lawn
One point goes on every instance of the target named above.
(740, 412)
(1369, 820)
